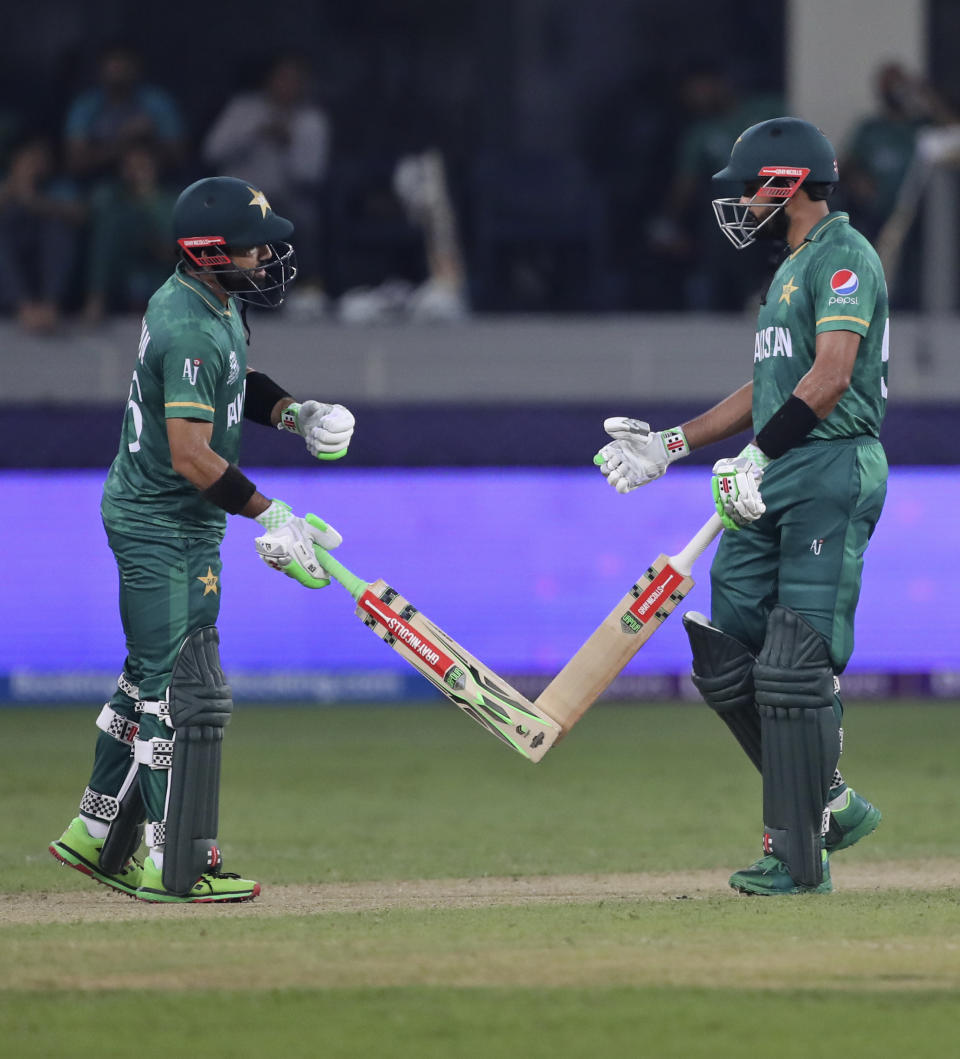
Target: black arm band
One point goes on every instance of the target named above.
(261, 398)
(231, 490)
(787, 427)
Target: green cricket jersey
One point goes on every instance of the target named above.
(832, 282)
(192, 364)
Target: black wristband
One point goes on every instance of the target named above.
(261, 398)
(787, 427)
(231, 490)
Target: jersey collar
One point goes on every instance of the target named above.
(821, 226)
(202, 291)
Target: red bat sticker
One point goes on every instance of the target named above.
(429, 652)
(666, 582)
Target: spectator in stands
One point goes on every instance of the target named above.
(878, 156)
(103, 121)
(279, 138)
(129, 252)
(716, 113)
(40, 214)
(881, 147)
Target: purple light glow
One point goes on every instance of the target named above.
(519, 566)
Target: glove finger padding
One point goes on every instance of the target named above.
(330, 437)
(290, 549)
(736, 492)
(608, 458)
(323, 534)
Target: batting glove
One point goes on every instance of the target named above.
(326, 428)
(637, 456)
(736, 491)
(287, 545)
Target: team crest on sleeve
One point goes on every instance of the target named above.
(234, 369)
(844, 282)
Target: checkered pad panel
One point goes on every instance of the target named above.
(99, 806)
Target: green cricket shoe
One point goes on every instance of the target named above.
(854, 819)
(769, 877)
(77, 848)
(212, 886)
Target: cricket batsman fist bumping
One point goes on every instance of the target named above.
(785, 585)
(326, 428)
(174, 481)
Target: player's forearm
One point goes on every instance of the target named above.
(731, 416)
(829, 377)
(221, 482)
(265, 400)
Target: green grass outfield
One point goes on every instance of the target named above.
(426, 892)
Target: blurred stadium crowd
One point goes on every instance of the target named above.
(611, 216)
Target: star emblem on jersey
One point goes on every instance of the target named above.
(209, 582)
(787, 290)
(259, 199)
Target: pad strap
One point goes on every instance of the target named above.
(127, 686)
(155, 834)
(100, 806)
(157, 753)
(118, 726)
(156, 709)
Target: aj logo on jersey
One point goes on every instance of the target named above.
(844, 283)
(190, 369)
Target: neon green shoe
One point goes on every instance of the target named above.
(852, 819)
(769, 877)
(77, 848)
(214, 886)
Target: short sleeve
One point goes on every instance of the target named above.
(845, 289)
(192, 365)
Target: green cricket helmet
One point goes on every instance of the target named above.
(218, 214)
(773, 158)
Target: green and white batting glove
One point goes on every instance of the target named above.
(637, 456)
(326, 428)
(736, 491)
(288, 544)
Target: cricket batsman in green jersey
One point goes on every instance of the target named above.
(786, 576)
(156, 770)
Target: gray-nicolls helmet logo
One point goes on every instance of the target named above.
(217, 216)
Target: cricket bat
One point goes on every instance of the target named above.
(450, 668)
(624, 631)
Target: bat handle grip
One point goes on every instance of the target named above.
(356, 586)
(683, 561)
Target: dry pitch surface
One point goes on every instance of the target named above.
(97, 904)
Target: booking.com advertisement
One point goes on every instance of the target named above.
(518, 566)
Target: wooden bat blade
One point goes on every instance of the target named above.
(624, 631)
(614, 642)
(465, 681)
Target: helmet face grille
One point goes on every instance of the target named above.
(735, 218)
(280, 270)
